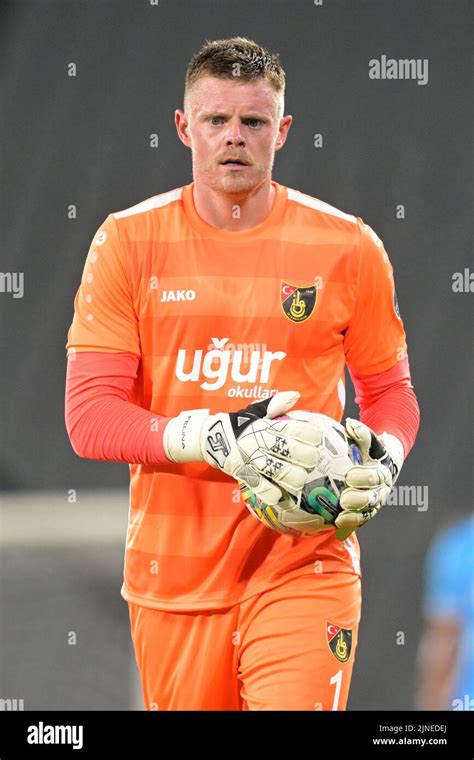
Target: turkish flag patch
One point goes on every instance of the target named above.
(339, 641)
(298, 302)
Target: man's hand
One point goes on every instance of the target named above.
(368, 485)
(249, 445)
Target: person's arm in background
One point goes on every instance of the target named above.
(436, 660)
(437, 657)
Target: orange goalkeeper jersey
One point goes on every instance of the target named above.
(219, 319)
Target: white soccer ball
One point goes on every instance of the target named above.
(317, 506)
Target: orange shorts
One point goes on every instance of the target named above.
(290, 648)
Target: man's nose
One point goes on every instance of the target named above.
(234, 135)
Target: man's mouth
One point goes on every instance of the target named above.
(233, 162)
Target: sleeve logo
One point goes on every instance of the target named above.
(395, 304)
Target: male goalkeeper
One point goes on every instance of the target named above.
(204, 314)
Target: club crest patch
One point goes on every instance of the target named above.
(298, 302)
(339, 641)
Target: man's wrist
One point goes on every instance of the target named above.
(394, 449)
(182, 436)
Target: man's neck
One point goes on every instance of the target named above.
(233, 212)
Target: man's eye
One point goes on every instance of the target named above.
(253, 122)
(215, 118)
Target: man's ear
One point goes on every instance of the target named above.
(182, 127)
(285, 124)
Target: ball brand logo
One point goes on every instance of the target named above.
(298, 302)
(214, 367)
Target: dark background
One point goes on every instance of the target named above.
(84, 141)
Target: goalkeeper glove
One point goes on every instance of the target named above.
(368, 485)
(249, 445)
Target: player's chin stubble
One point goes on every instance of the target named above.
(231, 182)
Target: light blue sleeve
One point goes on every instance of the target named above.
(445, 583)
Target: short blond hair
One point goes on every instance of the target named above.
(236, 58)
